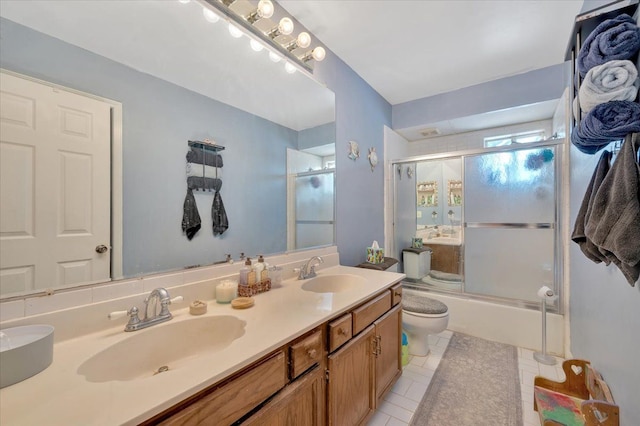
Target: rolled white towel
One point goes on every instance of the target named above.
(197, 170)
(611, 81)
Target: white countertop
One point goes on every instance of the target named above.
(61, 396)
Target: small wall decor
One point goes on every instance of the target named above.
(354, 150)
(410, 172)
(373, 158)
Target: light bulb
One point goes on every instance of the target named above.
(285, 26)
(210, 15)
(184, 1)
(318, 53)
(289, 68)
(303, 40)
(275, 57)
(255, 45)
(234, 31)
(265, 8)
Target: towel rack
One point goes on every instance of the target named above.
(584, 24)
(207, 145)
(206, 183)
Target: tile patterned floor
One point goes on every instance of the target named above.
(400, 404)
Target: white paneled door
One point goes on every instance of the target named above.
(54, 187)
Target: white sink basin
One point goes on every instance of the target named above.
(160, 348)
(334, 283)
(24, 352)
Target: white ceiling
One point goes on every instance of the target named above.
(411, 49)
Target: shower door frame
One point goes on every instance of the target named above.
(560, 236)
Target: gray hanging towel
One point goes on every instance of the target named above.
(190, 217)
(586, 245)
(614, 223)
(219, 215)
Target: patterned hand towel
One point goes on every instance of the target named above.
(606, 123)
(190, 216)
(611, 81)
(616, 38)
(219, 215)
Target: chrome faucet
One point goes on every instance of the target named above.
(159, 296)
(308, 269)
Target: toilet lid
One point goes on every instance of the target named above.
(423, 305)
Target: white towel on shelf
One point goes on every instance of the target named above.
(195, 169)
(611, 81)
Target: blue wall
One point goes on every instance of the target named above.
(158, 119)
(539, 85)
(361, 114)
(604, 309)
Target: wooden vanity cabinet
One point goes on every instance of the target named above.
(365, 368)
(305, 384)
(351, 397)
(388, 330)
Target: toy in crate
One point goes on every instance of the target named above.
(375, 254)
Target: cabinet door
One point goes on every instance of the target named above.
(388, 355)
(351, 390)
(299, 404)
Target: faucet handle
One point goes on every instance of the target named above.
(120, 314)
(176, 299)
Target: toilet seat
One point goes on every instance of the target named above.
(423, 306)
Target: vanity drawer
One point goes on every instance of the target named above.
(305, 353)
(370, 311)
(396, 294)
(237, 397)
(339, 332)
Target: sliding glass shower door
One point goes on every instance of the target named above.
(314, 208)
(510, 222)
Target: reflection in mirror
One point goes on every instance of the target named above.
(173, 77)
(311, 195)
(454, 192)
(428, 194)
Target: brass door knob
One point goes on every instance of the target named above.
(101, 248)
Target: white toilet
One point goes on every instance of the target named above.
(422, 316)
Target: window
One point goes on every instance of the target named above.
(528, 137)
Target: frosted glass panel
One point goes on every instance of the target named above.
(313, 234)
(510, 263)
(314, 210)
(314, 197)
(511, 187)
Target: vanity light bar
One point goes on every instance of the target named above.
(222, 8)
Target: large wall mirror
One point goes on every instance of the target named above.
(175, 77)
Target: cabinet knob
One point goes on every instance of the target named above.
(312, 353)
(342, 330)
(397, 293)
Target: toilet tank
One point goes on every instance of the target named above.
(417, 262)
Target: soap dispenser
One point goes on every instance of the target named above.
(261, 269)
(251, 276)
(244, 272)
